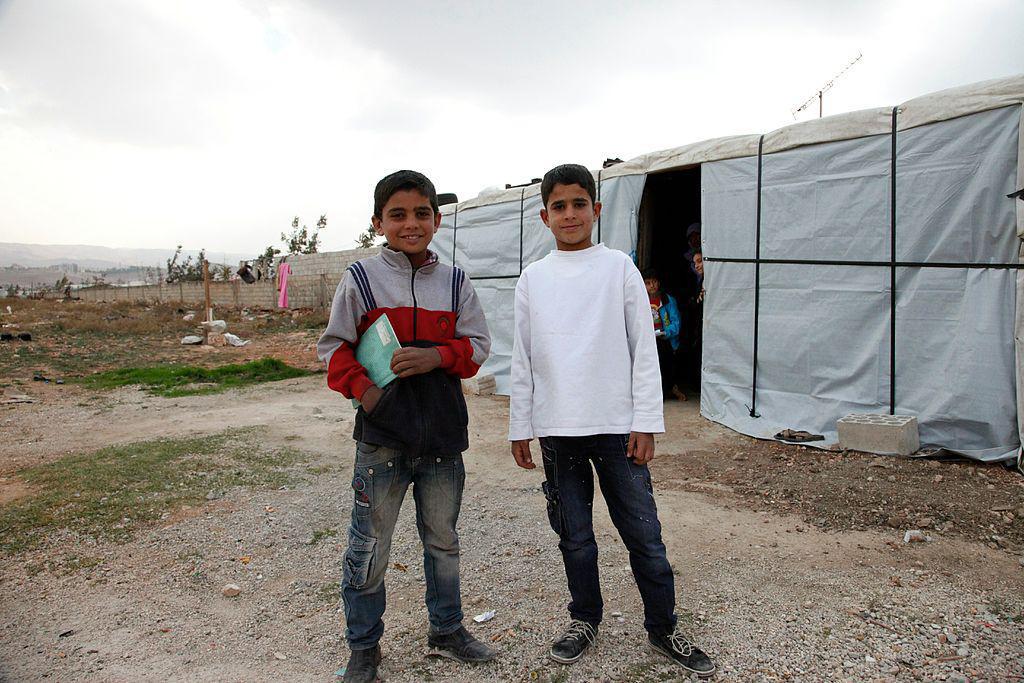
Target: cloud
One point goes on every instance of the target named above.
(153, 123)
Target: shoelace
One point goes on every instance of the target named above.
(580, 629)
(680, 644)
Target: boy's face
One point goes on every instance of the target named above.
(408, 222)
(652, 285)
(570, 216)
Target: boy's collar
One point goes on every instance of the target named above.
(399, 259)
(576, 253)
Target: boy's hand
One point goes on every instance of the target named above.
(370, 398)
(521, 452)
(641, 447)
(413, 361)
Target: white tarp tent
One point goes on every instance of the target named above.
(799, 242)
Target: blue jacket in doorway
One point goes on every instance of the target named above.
(670, 321)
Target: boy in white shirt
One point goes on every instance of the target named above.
(586, 382)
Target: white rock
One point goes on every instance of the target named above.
(231, 590)
(234, 340)
(915, 536)
(215, 326)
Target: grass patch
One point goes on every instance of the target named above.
(111, 493)
(187, 380)
(321, 534)
(330, 592)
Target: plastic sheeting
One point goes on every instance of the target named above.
(824, 330)
(487, 246)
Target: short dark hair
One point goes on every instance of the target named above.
(402, 180)
(568, 174)
(650, 274)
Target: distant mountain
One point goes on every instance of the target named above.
(97, 258)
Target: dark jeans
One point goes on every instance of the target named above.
(382, 476)
(667, 366)
(627, 490)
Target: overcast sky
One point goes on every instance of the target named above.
(210, 123)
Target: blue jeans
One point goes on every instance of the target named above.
(379, 483)
(627, 490)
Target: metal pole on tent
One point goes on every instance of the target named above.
(821, 102)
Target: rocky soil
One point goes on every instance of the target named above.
(775, 582)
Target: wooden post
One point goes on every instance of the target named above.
(206, 290)
(209, 310)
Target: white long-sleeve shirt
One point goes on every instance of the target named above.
(584, 359)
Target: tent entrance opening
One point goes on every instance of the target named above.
(669, 209)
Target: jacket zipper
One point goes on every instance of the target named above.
(422, 425)
(413, 286)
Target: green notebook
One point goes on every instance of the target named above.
(376, 347)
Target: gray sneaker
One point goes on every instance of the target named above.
(680, 650)
(460, 645)
(571, 645)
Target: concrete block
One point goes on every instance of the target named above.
(888, 434)
(481, 385)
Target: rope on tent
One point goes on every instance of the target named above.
(455, 233)
(868, 264)
(522, 204)
(599, 199)
(757, 280)
(892, 272)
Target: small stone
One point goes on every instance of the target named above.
(951, 637)
(616, 614)
(943, 639)
(808, 604)
(937, 478)
(963, 651)
(280, 656)
(231, 590)
(915, 536)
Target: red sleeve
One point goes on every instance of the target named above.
(345, 374)
(457, 358)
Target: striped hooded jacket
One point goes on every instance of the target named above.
(430, 306)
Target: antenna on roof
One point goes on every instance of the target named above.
(828, 86)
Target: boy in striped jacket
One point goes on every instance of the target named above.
(414, 430)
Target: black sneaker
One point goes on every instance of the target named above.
(571, 645)
(362, 665)
(460, 645)
(680, 650)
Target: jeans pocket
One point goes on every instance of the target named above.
(554, 508)
(358, 558)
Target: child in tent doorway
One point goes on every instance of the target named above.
(588, 387)
(667, 326)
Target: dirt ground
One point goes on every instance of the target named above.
(790, 562)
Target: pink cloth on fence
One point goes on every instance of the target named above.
(283, 271)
